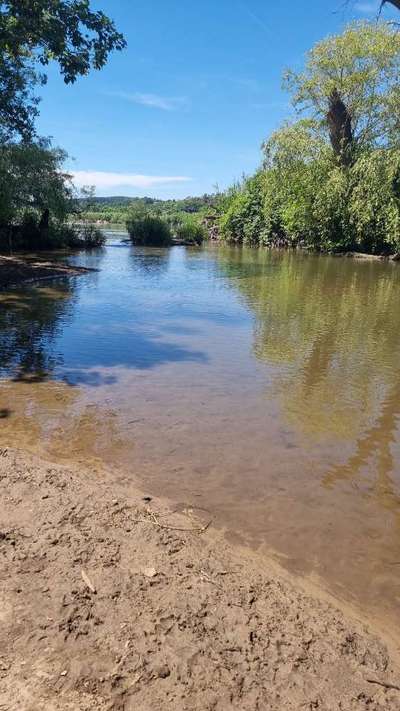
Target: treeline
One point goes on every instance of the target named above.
(115, 210)
(329, 180)
(36, 195)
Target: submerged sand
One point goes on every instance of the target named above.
(110, 600)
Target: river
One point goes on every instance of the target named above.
(263, 386)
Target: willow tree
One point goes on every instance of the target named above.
(350, 88)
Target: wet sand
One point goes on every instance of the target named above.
(110, 600)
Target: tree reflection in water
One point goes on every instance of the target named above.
(330, 328)
(30, 321)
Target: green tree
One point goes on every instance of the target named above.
(331, 180)
(350, 85)
(32, 34)
(34, 191)
(31, 178)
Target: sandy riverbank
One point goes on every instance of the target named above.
(108, 601)
(17, 270)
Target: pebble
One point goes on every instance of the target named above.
(162, 671)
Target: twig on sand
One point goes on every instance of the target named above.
(207, 578)
(153, 519)
(87, 581)
(385, 684)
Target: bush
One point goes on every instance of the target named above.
(243, 220)
(318, 204)
(374, 202)
(147, 229)
(190, 232)
(28, 236)
(85, 236)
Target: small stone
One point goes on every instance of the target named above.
(147, 499)
(162, 672)
(64, 673)
(149, 572)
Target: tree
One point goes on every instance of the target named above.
(396, 3)
(35, 195)
(18, 106)
(331, 180)
(31, 178)
(32, 34)
(349, 87)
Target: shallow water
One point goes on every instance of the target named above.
(263, 386)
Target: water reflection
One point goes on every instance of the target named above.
(61, 333)
(331, 328)
(30, 321)
(151, 263)
(374, 452)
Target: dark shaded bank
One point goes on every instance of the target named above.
(16, 270)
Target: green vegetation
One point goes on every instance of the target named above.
(115, 210)
(147, 229)
(159, 226)
(190, 232)
(330, 181)
(35, 194)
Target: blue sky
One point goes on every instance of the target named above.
(187, 105)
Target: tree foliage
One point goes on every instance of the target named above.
(320, 186)
(35, 32)
(35, 192)
(361, 67)
(31, 178)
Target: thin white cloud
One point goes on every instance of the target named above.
(103, 180)
(256, 18)
(153, 101)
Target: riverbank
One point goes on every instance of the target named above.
(18, 270)
(111, 600)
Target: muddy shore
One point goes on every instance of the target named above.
(110, 600)
(18, 270)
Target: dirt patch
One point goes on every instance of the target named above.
(16, 270)
(111, 600)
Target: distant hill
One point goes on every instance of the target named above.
(112, 200)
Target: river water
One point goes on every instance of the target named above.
(263, 386)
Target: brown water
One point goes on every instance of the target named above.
(263, 386)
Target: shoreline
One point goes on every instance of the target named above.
(25, 269)
(114, 600)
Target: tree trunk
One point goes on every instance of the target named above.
(44, 220)
(340, 128)
(396, 3)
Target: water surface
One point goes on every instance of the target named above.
(264, 386)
